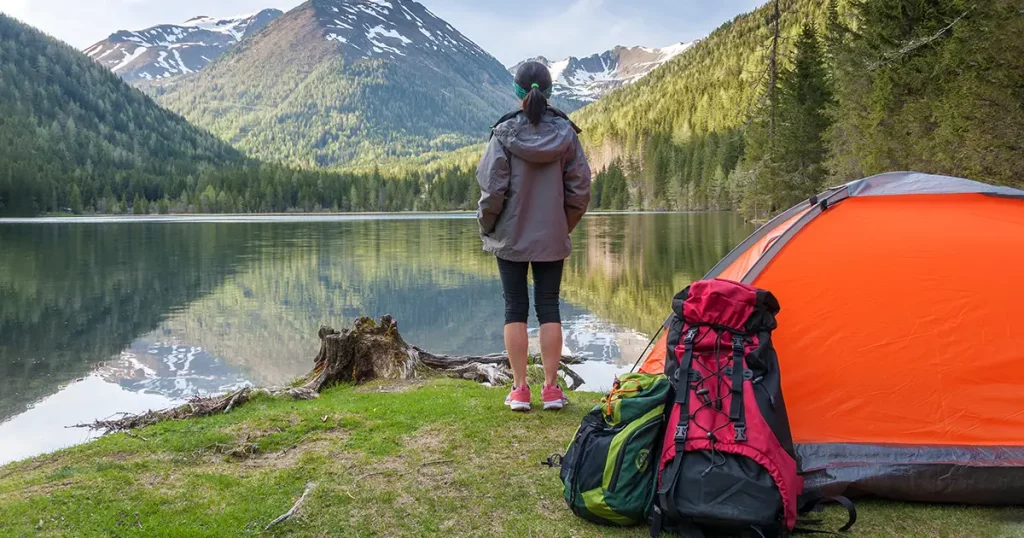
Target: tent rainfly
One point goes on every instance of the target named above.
(901, 335)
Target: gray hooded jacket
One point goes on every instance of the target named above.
(535, 189)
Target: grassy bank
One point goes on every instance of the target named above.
(444, 458)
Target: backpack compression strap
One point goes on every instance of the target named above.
(816, 504)
(681, 384)
(736, 408)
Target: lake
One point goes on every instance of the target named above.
(100, 316)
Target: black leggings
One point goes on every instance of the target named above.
(547, 281)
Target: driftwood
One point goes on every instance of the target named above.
(294, 509)
(197, 407)
(367, 352)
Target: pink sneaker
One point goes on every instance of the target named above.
(519, 398)
(554, 398)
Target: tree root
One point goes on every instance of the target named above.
(196, 407)
(364, 353)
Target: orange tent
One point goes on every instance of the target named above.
(901, 354)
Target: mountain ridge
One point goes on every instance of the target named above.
(585, 80)
(165, 52)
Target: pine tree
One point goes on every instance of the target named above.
(6, 181)
(76, 200)
(804, 96)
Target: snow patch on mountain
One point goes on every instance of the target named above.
(130, 57)
(391, 28)
(233, 26)
(381, 31)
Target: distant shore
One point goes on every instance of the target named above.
(281, 217)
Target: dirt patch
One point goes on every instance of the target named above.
(15, 469)
(36, 490)
(325, 443)
(423, 465)
(429, 441)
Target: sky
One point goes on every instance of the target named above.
(510, 30)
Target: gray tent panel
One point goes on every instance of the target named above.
(897, 183)
(948, 474)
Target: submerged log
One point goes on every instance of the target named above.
(366, 352)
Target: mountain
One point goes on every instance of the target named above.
(584, 80)
(70, 129)
(336, 82)
(168, 51)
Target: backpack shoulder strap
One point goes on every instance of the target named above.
(565, 117)
(506, 117)
(503, 119)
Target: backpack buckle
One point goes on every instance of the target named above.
(741, 432)
(681, 432)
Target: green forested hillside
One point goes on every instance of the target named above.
(710, 88)
(864, 86)
(70, 129)
(673, 139)
(74, 136)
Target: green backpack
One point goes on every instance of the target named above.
(609, 469)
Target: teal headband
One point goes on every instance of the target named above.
(521, 93)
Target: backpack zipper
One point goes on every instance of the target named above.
(574, 473)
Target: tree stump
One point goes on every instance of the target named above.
(373, 350)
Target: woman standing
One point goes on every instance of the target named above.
(535, 187)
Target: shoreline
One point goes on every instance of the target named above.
(292, 217)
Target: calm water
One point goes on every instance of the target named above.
(103, 317)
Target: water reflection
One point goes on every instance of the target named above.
(157, 312)
(175, 371)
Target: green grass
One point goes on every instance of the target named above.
(443, 458)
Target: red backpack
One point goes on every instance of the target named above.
(727, 461)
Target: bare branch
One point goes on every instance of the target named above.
(915, 44)
(295, 507)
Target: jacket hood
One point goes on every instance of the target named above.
(546, 142)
